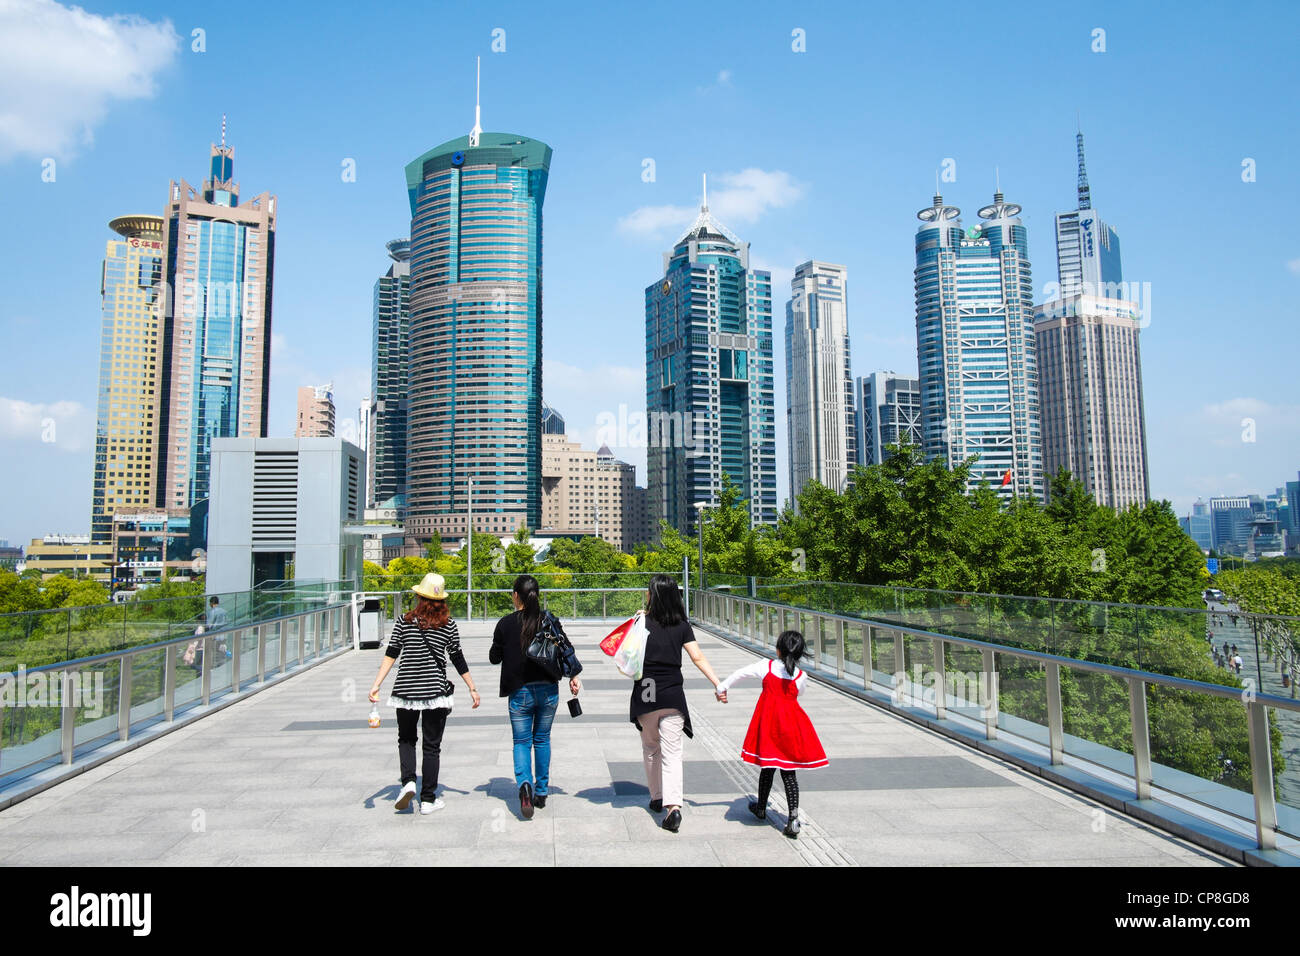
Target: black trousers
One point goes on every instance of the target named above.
(434, 722)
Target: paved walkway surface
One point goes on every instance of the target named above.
(295, 776)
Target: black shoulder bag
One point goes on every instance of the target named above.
(546, 648)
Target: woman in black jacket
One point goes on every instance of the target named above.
(533, 694)
(658, 698)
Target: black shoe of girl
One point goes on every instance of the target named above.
(756, 810)
(673, 821)
(792, 827)
(539, 801)
(657, 806)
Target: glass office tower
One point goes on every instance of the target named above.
(217, 350)
(126, 450)
(389, 378)
(709, 389)
(475, 393)
(975, 346)
(818, 380)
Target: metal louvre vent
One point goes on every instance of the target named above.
(354, 484)
(275, 498)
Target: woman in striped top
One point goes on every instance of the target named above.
(422, 638)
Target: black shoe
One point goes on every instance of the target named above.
(526, 801)
(657, 806)
(673, 821)
(539, 801)
(756, 810)
(792, 827)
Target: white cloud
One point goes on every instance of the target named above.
(68, 426)
(61, 68)
(278, 344)
(724, 78)
(1294, 266)
(736, 197)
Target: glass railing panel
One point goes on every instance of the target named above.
(94, 695)
(1022, 697)
(32, 737)
(1200, 748)
(147, 687)
(854, 641)
(967, 686)
(883, 657)
(1095, 718)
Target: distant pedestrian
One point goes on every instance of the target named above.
(1236, 663)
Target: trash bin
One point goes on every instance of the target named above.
(368, 627)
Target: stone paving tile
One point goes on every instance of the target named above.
(105, 850)
(643, 854)
(774, 851)
(924, 849)
(513, 855)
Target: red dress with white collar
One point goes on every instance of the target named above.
(780, 733)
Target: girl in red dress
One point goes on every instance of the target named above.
(780, 736)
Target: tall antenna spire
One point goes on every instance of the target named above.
(1085, 196)
(478, 127)
(997, 180)
(704, 203)
(223, 130)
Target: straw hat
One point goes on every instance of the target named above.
(434, 587)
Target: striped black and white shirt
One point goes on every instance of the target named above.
(422, 671)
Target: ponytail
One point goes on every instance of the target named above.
(531, 614)
(790, 647)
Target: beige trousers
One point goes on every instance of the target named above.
(661, 750)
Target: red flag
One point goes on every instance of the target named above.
(1006, 479)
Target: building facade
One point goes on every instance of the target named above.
(552, 421)
(1230, 524)
(475, 396)
(75, 555)
(315, 412)
(1197, 525)
(389, 377)
(888, 412)
(130, 371)
(1087, 250)
(220, 257)
(709, 388)
(1090, 392)
(975, 346)
(590, 492)
(149, 545)
(818, 378)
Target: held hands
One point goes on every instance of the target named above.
(721, 695)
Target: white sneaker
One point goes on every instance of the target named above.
(427, 808)
(404, 798)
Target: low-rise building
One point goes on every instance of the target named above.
(71, 554)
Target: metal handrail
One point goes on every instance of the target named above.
(739, 614)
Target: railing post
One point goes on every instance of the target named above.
(1137, 708)
(816, 621)
(67, 716)
(284, 645)
(989, 688)
(940, 681)
(868, 652)
(1261, 772)
(839, 649)
(604, 605)
(236, 655)
(1055, 731)
(124, 698)
(209, 662)
(900, 661)
(261, 654)
(169, 683)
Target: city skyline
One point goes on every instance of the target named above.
(1200, 386)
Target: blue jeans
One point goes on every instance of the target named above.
(532, 709)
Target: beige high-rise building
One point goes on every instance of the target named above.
(1090, 390)
(130, 371)
(219, 262)
(591, 492)
(315, 412)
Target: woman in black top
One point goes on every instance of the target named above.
(659, 699)
(533, 694)
(422, 638)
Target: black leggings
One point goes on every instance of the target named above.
(432, 722)
(765, 777)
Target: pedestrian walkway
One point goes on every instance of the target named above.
(294, 776)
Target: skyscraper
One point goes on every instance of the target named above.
(389, 378)
(709, 400)
(126, 437)
(1090, 364)
(888, 413)
(1197, 525)
(975, 346)
(1087, 250)
(819, 383)
(475, 396)
(220, 259)
(1230, 524)
(315, 412)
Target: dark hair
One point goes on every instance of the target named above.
(790, 647)
(214, 600)
(665, 605)
(427, 613)
(531, 613)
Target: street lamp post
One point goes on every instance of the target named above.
(469, 564)
(699, 522)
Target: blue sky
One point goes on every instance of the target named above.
(824, 153)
